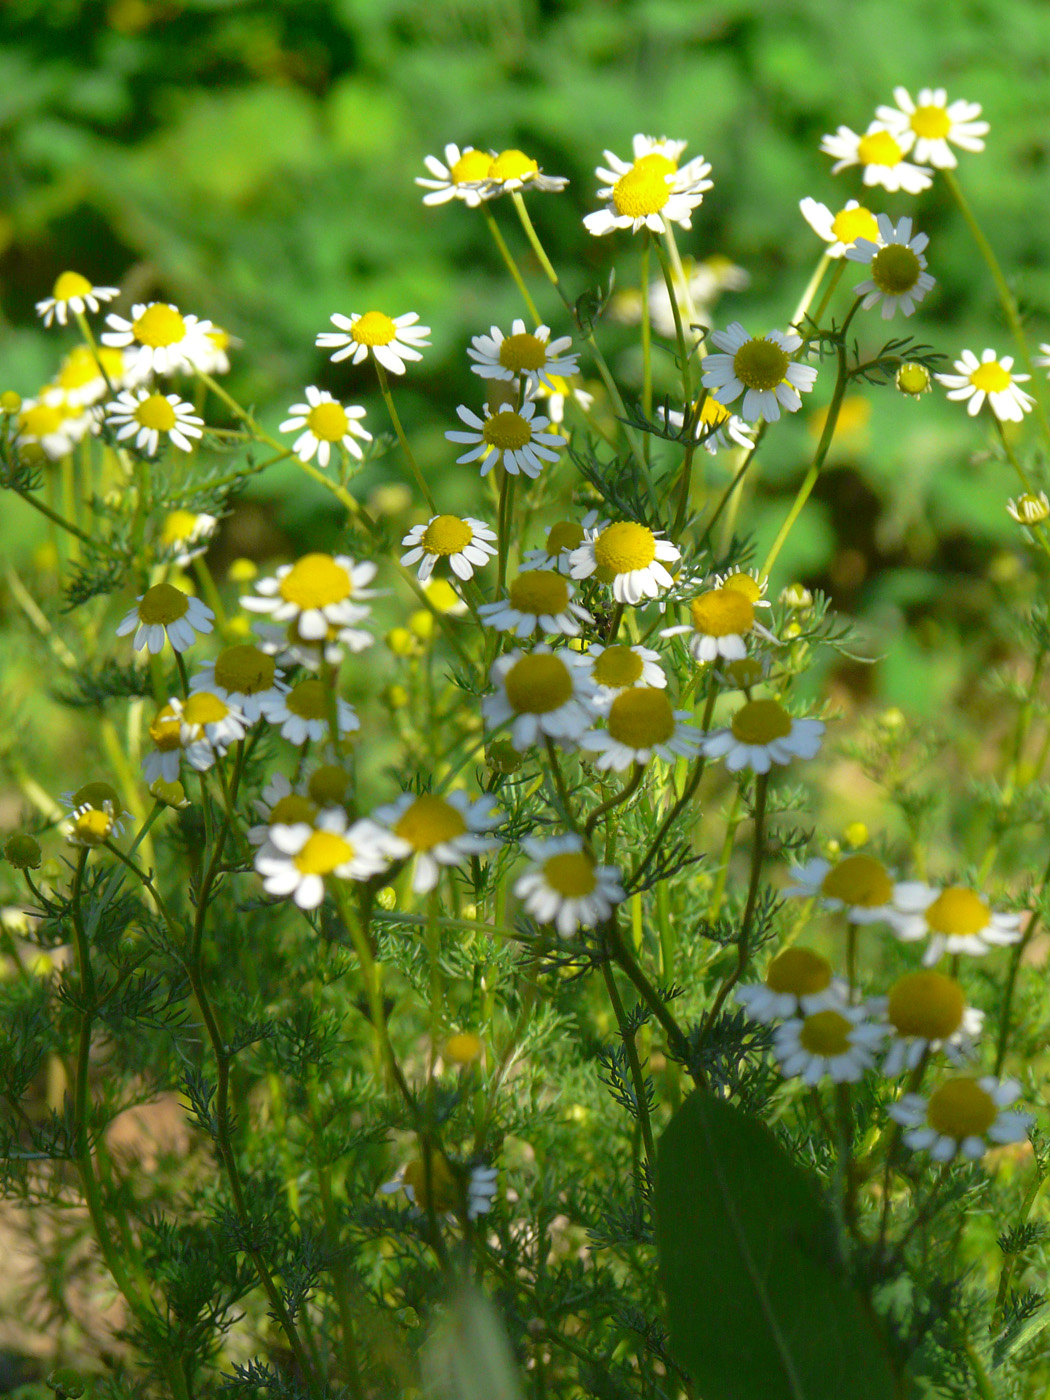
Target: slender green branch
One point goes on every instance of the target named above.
(641, 1097)
(510, 263)
(410, 457)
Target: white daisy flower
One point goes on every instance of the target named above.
(513, 438)
(962, 1117)
(453, 1187)
(934, 125)
(289, 647)
(209, 722)
(280, 804)
(798, 982)
(927, 1012)
(538, 600)
(463, 175)
(640, 725)
(72, 292)
(315, 593)
(528, 355)
(244, 674)
(49, 424)
(165, 613)
(1042, 360)
(437, 831)
(858, 884)
(565, 886)
(209, 355)
(514, 170)
(326, 422)
(617, 668)
(185, 535)
(163, 762)
(1029, 509)
(562, 538)
(466, 543)
(158, 339)
(302, 713)
(956, 919)
(80, 378)
(991, 377)
(839, 231)
(627, 555)
(90, 824)
(557, 391)
(762, 733)
(759, 368)
(721, 619)
(714, 427)
(297, 859)
(881, 154)
(839, 1043)
(98, 795)
(391, 340)
(542, 695)
(146, 417)
(696, 292)
(898, 276)
(649, 191)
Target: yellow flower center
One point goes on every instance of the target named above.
(913, 379)
(328, 785)
(926, 1004)
(895, 269)
(322, 852)
(960, 1108)
(507, 430)
(655, 161)
(292, 808)
(471, 167)
(618, 667)
(462, 1048)
(81, 366)
(307, 700)
(518, 352)
(442, 596)
(539, 591)
(92, 827)
(442, 1184)
(538, 684)
(1031, 509)
(879, 148)
(178, 526)
(933, 123)
(799, 971)
(446, 534)
(512, 165)
(166, 729)
(760, 364)
(315, 581)
(860, 881)
(624, 547)
(327, 421)
(245, 670)
(641, 717)
(97, 795)
(723, 612)
(712, 413)
(991, 377)
(571, 874)
(760, 722)
(203, 707)
(566, 534)
(373, 328)
(643, 190)
(958, 911)
(162, 604)
(429, 821)
(159, 325)
(826, 1033)
(38, 422)
(850, 224)
(155, 412)
(218, 337)
(70, 284)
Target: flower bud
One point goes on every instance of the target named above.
(23, 851)
(502, 757)
(463, 1048)
(796, 596)
(914, 380)
(67, 1383)
(1029, 509)
(856, 834)
(10, 402)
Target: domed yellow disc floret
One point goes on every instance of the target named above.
(643, 190)
(512, 165)
(641, 718)
(322, 852)
(446, 534)
(442, 1184)
(155, 412)
(307, 700)
(97, 795)
(373, 328)
(850, 224)
(327, 421)
(913, 379)
(462, 1048)
(712, 413)
(861, 881)
(879, 148)
(625, 546)
(895, 269)
(958, 911)
(798, 971)
(178, 526)
(70, 284)
(10, 402)
(932, 123)
(618, 667)
(991, 378)
(960, 1108)
(328, 785)
(926, 1004)
(315, 581)
(244, 670)
(760, 364)
(91, 826)
(161, 604)
(566, 534)
(471, 167)
(571, 874)
(539, 591)
(760, 722)
(292, 808)
(825, 1033)
(159, 325)
(40, 420)
(507, 430)
(166, 729)
(81, 365)
(203, 707)
(522, 352)
(722, 612)
(538, 684)
(428, 822)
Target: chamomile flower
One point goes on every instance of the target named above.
(210, 355)
(562, 538)
(627, 555)
(100, 796)
(617, 668)
(513, 438)
(541, 695)
(463, 175)
(466, 543)
(557, 392)
(315, 593)
(90, 825)
(934, 125)
(839, 1043)
(649, 191)
(640, 725)
(990, 378)
(326, 422)
(721, 619)
(514, 170)
(538, 600)
(81, 379)
(147, 416)
(898, 275)
(927, 1012)
(437, 831)
(762, 733)
(962, 1117)
(528, 355)
(298, 858)
(302, 713)
(798, 982)
(1029, 509)
(165, 613)
(451, 1189)
(858, 884)
(280, 804)
(289, 647)
(881, 154)
(839, 231)
(185, 535)
(209, 721)
(956, 919)
(390, 340)
(761, 369)
(565, 886)
(49, 424)
(72, 292)
(158, 339)
(714, 427)
(164, 760)
(244, 674)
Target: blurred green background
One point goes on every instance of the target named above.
(254, 163)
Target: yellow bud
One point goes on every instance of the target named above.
(463, 1048)
(10, 402)
(856, 834)
(422, 624)
(914, 380)
(23, 851)
(402, 643)
(393, 498)
(387, 898)
(832, 848)
(238, 628)
(397, 697)
(171, 794)
(242, 570)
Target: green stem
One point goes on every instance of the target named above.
(1011, 977)
(510, 263)
(616, 799)
(647, 335)
(51, 515)
(641, 1098)
(679, 805)
(384, 389)
(559, 783)
(676, 1037)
